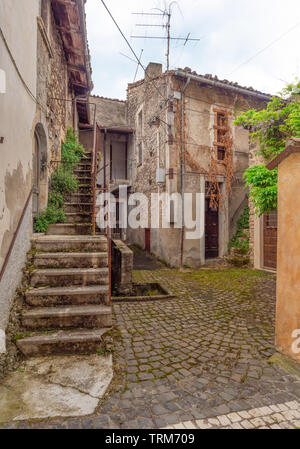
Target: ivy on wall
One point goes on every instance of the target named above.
(63, 182)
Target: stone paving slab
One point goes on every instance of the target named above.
(199, 356)
(276, 416)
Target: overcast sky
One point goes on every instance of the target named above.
(231, 32)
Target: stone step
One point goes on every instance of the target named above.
(81, 217)
(69, 229)
(80, 341)
(59, 296)
(70, 260)
(69, 277)
(86, 316)
(82, 172)
(85, 163)
(79, 197)
(84, 180)
(76, 207)
(58, 243)
(84, 188)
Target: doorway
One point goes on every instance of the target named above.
(211, 231)
(39, 171)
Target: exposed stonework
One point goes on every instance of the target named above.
(122, 266)
(155, 111)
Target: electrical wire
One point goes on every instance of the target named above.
(130, 47)
(265, 48)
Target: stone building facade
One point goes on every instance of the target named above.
(44, 56)
(185, 141)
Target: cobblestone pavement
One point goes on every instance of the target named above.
(200, 358)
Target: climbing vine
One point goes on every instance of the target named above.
(272, 127)
(63, 182)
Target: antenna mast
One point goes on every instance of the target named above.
(166, 13)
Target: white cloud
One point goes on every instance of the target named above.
(232, 31)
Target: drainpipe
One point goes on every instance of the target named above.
(183, 164)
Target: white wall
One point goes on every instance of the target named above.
(18, 21)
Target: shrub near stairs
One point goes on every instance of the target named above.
(63, 182)
(239, 244)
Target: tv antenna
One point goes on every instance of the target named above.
(166, 15)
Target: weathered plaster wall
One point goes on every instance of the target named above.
(109, 112)
(288, 256)
(17, 111)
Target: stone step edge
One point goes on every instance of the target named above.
(67, 335)
(68, 311)
(73, 291)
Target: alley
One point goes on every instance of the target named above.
(201, 355)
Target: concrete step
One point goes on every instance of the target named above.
(69, 277)
(70, 260)
(58, 243)
(81, 217)
(69, 229)
(59, 296)
(86, 316)
(72, 207)
(81, 341)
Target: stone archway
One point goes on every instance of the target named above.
(39, 170)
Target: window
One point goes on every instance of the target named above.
(221, 133)
(140, 153)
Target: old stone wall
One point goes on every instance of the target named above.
(17, 110)
(53, 88)
(162, 148)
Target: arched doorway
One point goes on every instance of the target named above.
(39, 171)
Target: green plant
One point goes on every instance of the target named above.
(272, 127)
(63, 182)
(262, 185)
(241, 238)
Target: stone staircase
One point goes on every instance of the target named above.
(67, 308)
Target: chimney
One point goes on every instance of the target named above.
(153, 70)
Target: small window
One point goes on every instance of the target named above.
(140, 153)
(221, 153)
(221, 119)
(221, 133)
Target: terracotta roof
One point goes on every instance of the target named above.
(293, 146)
(210, 77)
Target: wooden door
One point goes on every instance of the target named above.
(211, 231)
(147, 240)
(270, 240)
